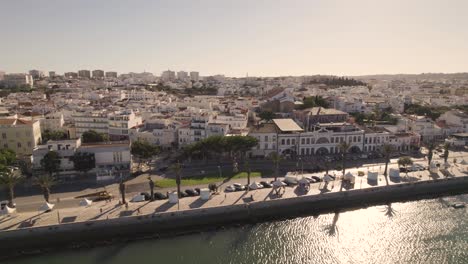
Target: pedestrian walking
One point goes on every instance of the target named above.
(100, 210)
(126, 206)
(138, 210)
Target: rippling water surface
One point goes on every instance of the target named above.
(426, 231)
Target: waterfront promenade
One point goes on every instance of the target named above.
(112, 210)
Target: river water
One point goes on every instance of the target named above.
(427, 231)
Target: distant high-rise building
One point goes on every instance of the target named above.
(52, 74)
(2, 75)
(168, 76)
(111, 74)
(18, 79)
(194, 76)
(98, 74)
(71, 75)
(182, 75)
(84, 74)
(36, 74)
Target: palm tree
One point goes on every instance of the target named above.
(176, 168)
(45, 182)
(151, 185)
(122, 188)
(276, 158)
(344, 148)
(430, 154)
(9, 178)
(446, 152)
(247, 168)
(387, 151)
(405, 162)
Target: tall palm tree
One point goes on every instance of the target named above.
(344, 148)
(122, 189)
(45, 181)
(247, 169)
(430, 154)
(176, 168)
(151, 185)
(446, 152)
(276, 158)
(9, 178)
(405, 162)
(387, 151)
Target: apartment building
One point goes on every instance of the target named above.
(90, 120)
(20, 135)
(120, 122)
(18, 79)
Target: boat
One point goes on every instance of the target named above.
(458, 205)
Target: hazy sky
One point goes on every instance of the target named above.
(262, 38)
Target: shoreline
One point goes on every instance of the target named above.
(36, 240)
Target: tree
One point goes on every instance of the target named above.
(50, 163)
(344, 148)
(446, 152)
(45, 182)
(143, 151)
(267, 116)
(176, 169)
(83, 161)
(7, 157)
(387, 151)
(430, 154)
(92, 136)
(247, 169)
(9, 178)
(405, 162)
(151, 185)
(276, 158)
(53, 135)
(122, 189)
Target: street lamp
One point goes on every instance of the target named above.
(302, 167)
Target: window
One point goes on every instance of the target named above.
(29, 144)
(266, 145)
(308, 140)
(4, 135)
(293, 141)
(18, 145)
(288, 142)
(282, 141)
(302, 140)
(266, 138)
(5, 145)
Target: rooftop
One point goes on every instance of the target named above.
(287, 125)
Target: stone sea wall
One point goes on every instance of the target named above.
(97, 232)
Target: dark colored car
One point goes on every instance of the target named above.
(146, 195)
(266, 184)
(198, 190)
(316, 178)
(183, 194)
(160, 196)
(191, 192)
(402, 169)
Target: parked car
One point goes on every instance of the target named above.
(160, 196)
(191, 192)
(310, 180)
(183, 194)
(5, 203)
(239, 187)
(266, 184)
(255, 186)
(146, 195)
(198, 190)
(230, 188)
(317, 178)
(403, 169)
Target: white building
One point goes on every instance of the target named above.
(18, 79)
(52, 122)
(194, 76)
(167, 76)
(161, 132)
(90, 120)
(120, 122)
(182, 75)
